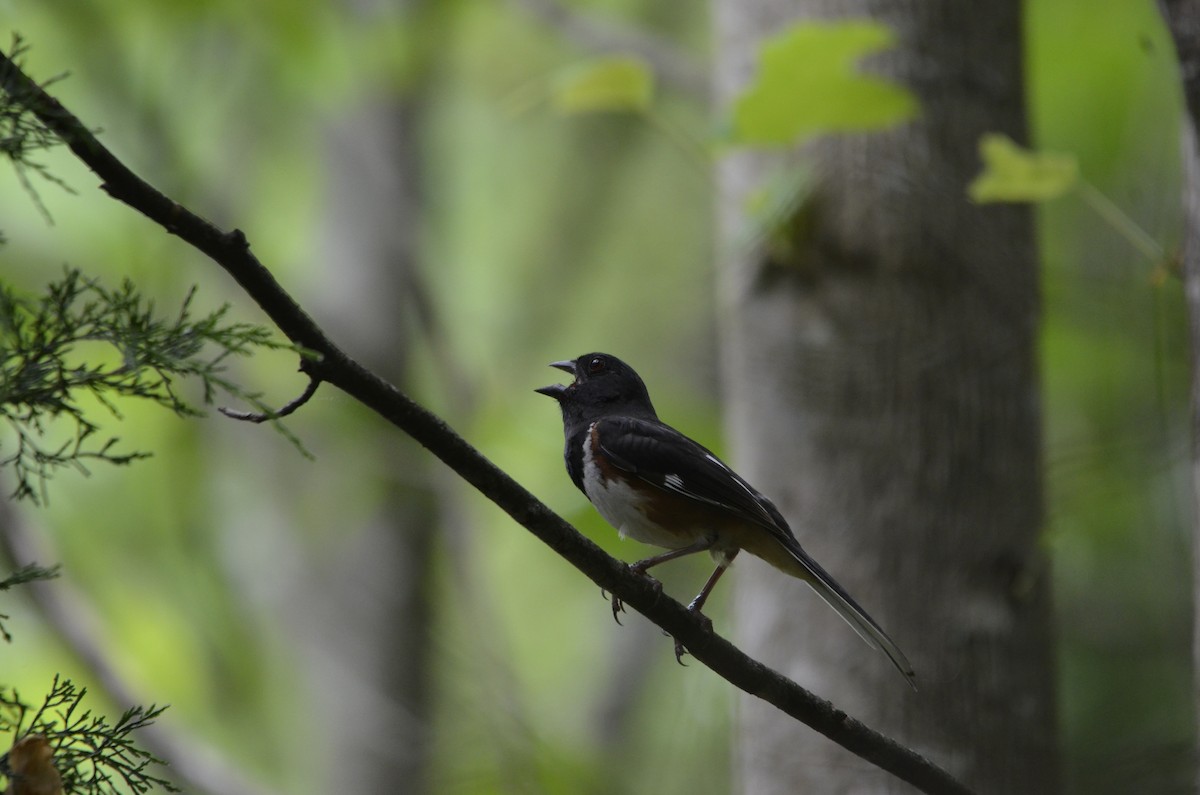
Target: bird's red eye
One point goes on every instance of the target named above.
(596, 364)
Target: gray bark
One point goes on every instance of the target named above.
(1183, 20)
(881, 385)
(1191, 286)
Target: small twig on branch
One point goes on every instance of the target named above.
(330, 363)
(267, 416)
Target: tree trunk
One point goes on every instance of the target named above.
(1183, 20)
(372, 648)
(882, 388)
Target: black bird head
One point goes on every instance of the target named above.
(603, 386)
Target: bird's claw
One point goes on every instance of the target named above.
(618, 606)
(705, 621)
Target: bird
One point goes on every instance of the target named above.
(658, 486)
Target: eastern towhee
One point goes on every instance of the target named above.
(658, 486)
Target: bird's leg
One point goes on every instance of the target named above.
(642, 566)
(702, 597)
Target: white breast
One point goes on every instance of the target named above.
(618, 504)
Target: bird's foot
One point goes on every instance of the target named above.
(707, 623)
(694, 609)
(618, 606)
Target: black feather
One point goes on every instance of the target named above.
(665, 458)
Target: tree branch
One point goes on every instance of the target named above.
(329, 363)
(264, 416)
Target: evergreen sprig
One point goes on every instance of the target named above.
(29, 573)
(93, 756)
(25, 574)
(49, 362)
(22, 133)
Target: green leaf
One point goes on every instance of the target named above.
(606, 85)
(807, 84)
(1012, 173)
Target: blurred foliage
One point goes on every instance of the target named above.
(605, 85)
(1115, 376)
(543, 235)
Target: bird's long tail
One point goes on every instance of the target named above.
(862, 623)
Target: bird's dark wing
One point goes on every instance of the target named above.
(665, 458)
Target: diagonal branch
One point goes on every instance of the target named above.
(329, 363)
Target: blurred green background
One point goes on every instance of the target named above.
(363, 617)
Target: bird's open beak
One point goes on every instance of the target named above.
(556, 390)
